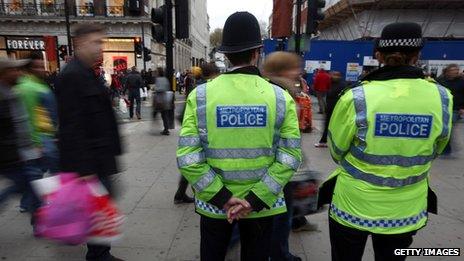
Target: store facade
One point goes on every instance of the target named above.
(20, 47)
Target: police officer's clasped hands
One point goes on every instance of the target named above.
(237, 208)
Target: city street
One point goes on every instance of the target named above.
(156, 229)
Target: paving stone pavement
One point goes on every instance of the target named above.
(156, 229)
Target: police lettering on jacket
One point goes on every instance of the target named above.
(403, 125)
(241, 116)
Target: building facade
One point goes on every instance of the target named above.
(39, 25)
(199, 31)
(364, 19)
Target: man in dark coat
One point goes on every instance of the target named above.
(89, 139)
(134, 83)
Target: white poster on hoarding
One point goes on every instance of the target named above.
(352, 72)
(370, 61)
(435, 67)
(310, 65)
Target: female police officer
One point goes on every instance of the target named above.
(384, 135)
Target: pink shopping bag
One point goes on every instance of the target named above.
(66, 212)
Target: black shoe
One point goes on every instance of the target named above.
(113, 258)
(165, 132)
(183, 200)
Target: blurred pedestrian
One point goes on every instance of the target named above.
(163, 99)
(40, 105)
(284, 69)
(89, 139)
(321, 86)
(189, 83)
(452, 80)
(20, 156)
(134, 83)
(337, 86)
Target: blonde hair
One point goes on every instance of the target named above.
(278, 62)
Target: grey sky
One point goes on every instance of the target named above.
(219, 10)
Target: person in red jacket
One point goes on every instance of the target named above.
(321, 86)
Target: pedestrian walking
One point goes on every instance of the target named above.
(452, 80)
(337, 86)
(238, 147)
(384, 134)
(20, 156)
(163, 99)
(284, 69)
(134, 83)
(40, 105)
(89, 139)
(189, 83)
(321, 86)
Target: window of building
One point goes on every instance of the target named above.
(115, 7)
(85, 8)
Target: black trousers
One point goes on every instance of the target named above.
(134, 99)
(164, 117)
(348, 243)
(255, 238)
(182, 188)
(329, 112)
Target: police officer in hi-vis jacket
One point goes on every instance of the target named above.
(238, 147)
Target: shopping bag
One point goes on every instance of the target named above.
(122, 106)
(143, 92)
(65, 214)
(305, 187)
(106, 219)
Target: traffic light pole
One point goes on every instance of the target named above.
(143, 48)
(298, 27)
(68, 30)
(169, 42)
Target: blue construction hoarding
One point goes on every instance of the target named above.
(350, 56)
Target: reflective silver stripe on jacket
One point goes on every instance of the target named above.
(242, 174)
(189, 141)
(201, 115)
(243, 153)
(293, 143)
(361, 115)
(445, 112)
(281, 107)
(381, 181)
(288, 160)
(398, 160)
(373, 223)
(273, 186)
(191, 158)
(336, 149)
(204, 181)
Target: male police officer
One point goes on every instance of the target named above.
(384, 135)
(238, 147)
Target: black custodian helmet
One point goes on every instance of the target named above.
(241, 33)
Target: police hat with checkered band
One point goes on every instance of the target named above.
(400, 37)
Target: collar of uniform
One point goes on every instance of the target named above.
(253, 70)
(395, 72)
